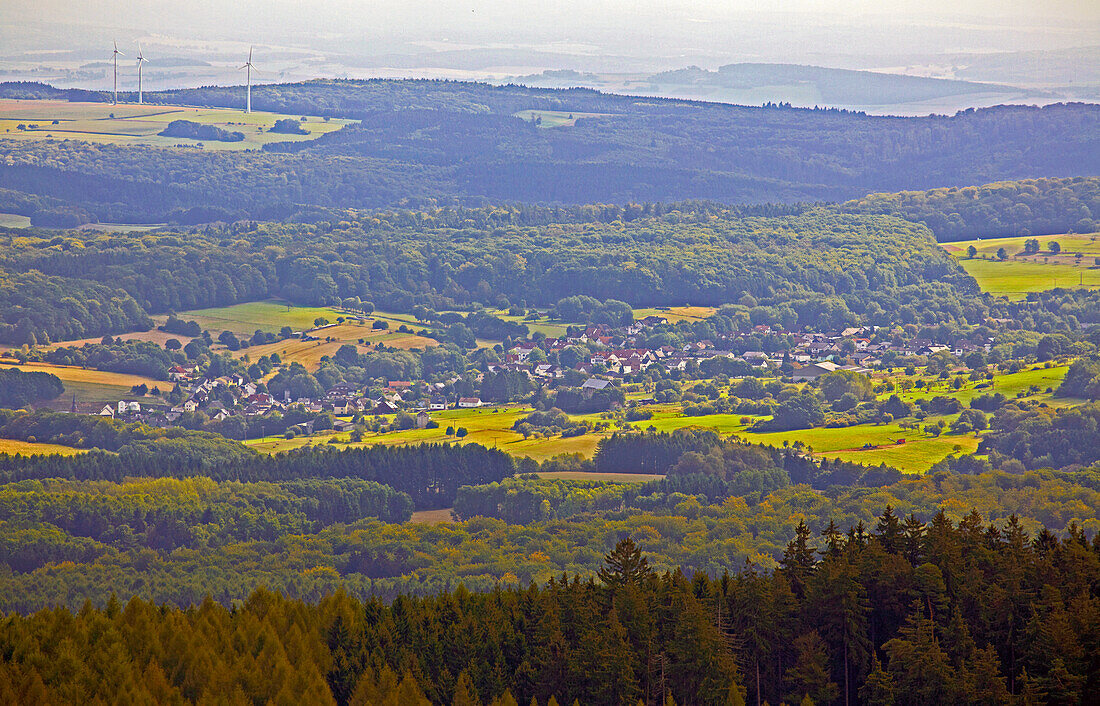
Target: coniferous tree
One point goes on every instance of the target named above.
(625, 565)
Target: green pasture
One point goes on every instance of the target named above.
(1021, 273)
(1071, 243)
(268, 315)
(917, 455)
(1016, 278)
(1008, 384)
(557, 118)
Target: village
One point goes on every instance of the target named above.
(592, 359)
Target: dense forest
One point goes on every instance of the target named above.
(431, 473)
(901, 612)
(791, 265)
(817, 267)
(171, 516)
(425, 142)
(1002, 209)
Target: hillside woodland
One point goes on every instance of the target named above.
(815, 267)
(423, 143)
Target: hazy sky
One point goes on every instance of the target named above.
(595, 35)
(504, 19)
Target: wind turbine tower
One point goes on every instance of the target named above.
(248, 82)
(114, 58)
(141, 60)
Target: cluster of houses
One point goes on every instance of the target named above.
(227, 396)
(617, 353)
(610, 352)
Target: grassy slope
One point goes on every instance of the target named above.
(91, 387)
(1020, 274)
(271, 316)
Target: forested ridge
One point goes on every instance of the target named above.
(817, 266)
(426, 142)
(1000, 209)
(897, 613)
(799, 265)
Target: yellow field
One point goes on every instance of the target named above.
(677, 313)
(27, 448)
(271, 316)
(12, 220)
(432, 517)
(491, 427)
(131, 124)
(68, 373)
(309, 353)
(153, 336)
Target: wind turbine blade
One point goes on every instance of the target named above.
(250, 55)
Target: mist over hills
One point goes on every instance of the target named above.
(803, 86)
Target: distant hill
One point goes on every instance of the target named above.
(833, 87)
(445, 142)
(880, 92)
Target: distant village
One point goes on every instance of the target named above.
(615, 357)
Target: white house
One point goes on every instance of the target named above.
(469, 402)
(128, 407)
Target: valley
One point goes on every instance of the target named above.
(441, 392)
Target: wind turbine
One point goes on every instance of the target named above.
(114, 58)
(141, 60)
(248, 65)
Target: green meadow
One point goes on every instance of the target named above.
(556, 118)
(268, 315)
(1021, 273)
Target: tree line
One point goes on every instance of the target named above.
(892, 613)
